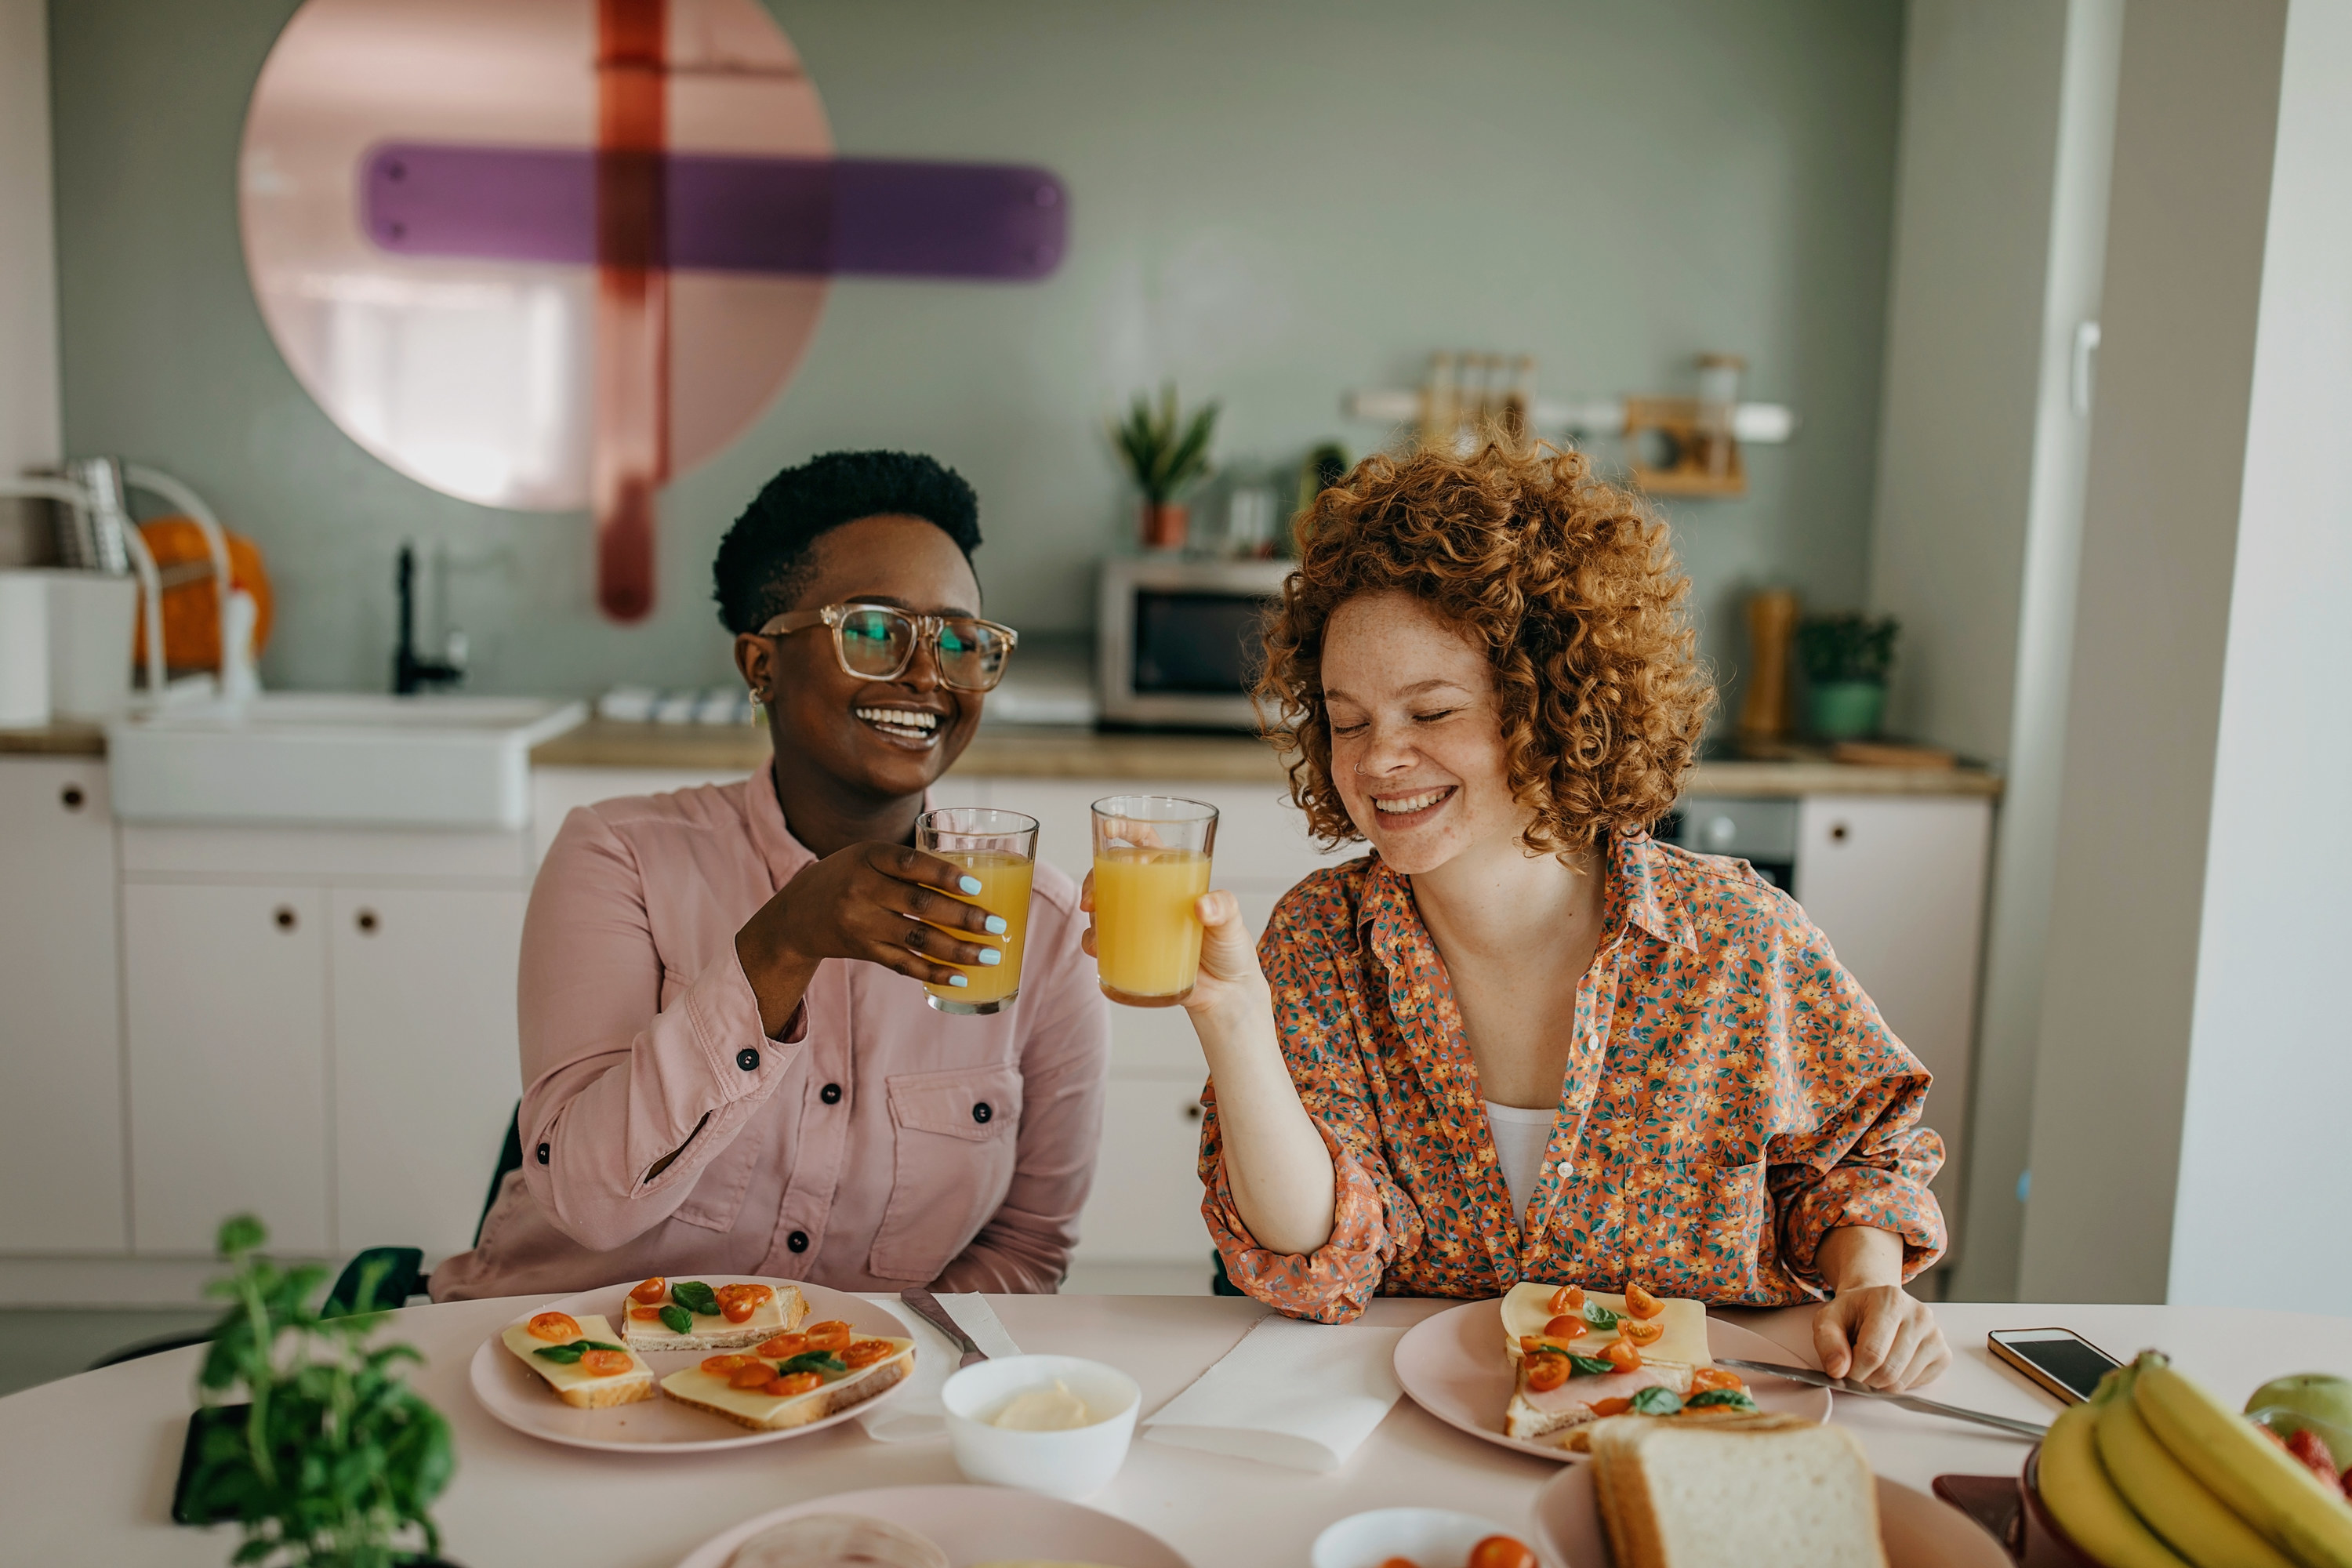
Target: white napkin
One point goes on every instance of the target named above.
(1297, 1394)
(912, 1414)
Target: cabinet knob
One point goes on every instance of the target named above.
(1193, 1112)
(71, 797)
(1837, 832)
(284, 917)
(367, 922)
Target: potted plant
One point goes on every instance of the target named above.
(335, 1460)
(1846, 658)
(1164, 451)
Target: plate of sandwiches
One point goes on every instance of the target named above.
(1534, 1369)
(934, 1527)
(690, 1366)
(1745, 1491)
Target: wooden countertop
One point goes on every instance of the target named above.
(60, 738)
(1015, 751)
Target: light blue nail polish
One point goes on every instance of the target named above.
(996, 925)
(959, 980)
(970, 884)
(990, 955)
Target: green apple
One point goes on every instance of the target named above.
(2322, 1399)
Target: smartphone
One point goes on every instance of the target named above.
(2060, 1361)
(185, 1509)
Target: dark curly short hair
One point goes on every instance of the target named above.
(766, 558)
(1570, 585)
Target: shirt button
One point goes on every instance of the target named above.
(830, 1094)
(543, 1153)
(981, 1112)
(797, 1241)
(1566, 1169)
(747, 1059)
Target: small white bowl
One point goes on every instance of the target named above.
(1431, 1537)
(1069, 1465)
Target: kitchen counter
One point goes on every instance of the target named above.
(59, 738)
(1016, 752)
(1041, 751)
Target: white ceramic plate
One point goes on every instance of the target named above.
(1917, 1531)
(974, 1524)
(521, 1397)
(1455, 1366)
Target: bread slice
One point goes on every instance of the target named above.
(784, 1314)
(1754, 1492)
(572, 1383)
(767, 1412)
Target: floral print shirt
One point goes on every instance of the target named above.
(1731, 1096)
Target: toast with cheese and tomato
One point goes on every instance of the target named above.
(1583, 1354)
(580, 1359)
(795, 1378)
(689, 1315)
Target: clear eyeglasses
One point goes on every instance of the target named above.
(878, 642)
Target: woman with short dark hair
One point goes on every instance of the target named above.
(1522, 1039)
(727, 1060)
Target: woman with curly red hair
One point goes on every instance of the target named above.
(1521, 1038)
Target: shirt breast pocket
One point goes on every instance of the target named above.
(954, 1145)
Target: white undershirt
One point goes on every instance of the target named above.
(1520, 1139)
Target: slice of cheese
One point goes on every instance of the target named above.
(785, 1311)
(569, 1378)
(1527, 1308)
(753, 1407)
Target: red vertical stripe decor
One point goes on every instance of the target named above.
(632, 409)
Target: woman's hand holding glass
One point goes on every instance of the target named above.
(885, 904)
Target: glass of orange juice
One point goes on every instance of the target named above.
(1151, 860)
(999, 849)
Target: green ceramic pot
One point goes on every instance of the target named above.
(1845, 709)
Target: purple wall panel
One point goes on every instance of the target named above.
(857, 216)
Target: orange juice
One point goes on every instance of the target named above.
(1004, 881)
(1147, 942)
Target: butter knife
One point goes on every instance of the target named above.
(927, 1307)
(1806, 1374)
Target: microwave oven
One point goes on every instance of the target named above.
(1179, 642)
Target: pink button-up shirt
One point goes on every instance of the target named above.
(878, 1145)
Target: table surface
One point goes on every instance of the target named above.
(86, 1464)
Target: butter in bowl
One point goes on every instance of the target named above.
(1053, 1424)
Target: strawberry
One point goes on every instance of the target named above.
(2312, 1449)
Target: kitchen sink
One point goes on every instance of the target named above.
(334, 758)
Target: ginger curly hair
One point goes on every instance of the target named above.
(1567, 581)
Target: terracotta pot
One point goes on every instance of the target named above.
(1164, 525)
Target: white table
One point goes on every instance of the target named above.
(87, 1464)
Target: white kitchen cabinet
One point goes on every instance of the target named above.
(1146, 1203)
(1897, 884)
(225, 991)
(61, 1142)
(424, 1067)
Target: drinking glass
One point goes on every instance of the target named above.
(1151, 860)
(1000, 848)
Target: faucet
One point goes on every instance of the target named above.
(411, 674)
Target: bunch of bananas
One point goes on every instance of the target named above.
(2154, 1472)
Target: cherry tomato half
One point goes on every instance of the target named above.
(793, 1383)
(725, 1365)
(1641, 1303)
(651, 1292)
(865, 1352)
(1546, 1372)
(830, 1335)
(1623, 1355)
(1566, 1328)
(1568, 1299)
(1611, 1406)
(783, 1347)
(1640, 1333)
(605, 1364)
(1709, 1378)
(556, 1326)
(753, 1374)
(1501, 1551)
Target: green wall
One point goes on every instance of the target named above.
(1271, 203)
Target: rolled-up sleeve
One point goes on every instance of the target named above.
(1372, 1218)
(1025, 1246)
(616, 1084)
(1851, 1150)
